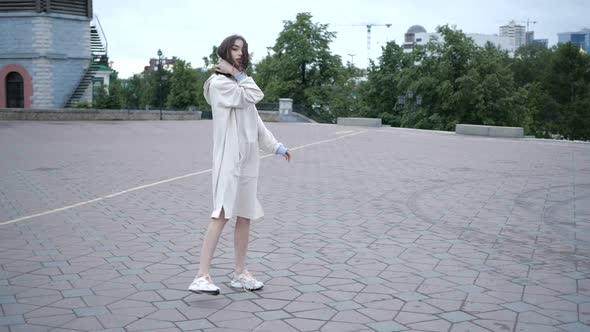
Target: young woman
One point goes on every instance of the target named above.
(238, 134)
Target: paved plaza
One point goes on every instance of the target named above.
(367, 229)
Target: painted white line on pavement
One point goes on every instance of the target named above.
(101, 198)
(329, 140)
(154, 184)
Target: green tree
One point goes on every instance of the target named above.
(303, 68)
(149, 88)
(444, 63)
(131, 91)
(530, 64)
(567, 84)
(429, 73)
(212, 59)
(183, 86)
(108, 97)
(445, 82)
(487, 91)
(111, 96)
(379, 95)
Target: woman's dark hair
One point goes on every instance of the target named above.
(224, 52)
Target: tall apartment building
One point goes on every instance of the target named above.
(515, 32)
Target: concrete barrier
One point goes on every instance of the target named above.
(302, 118)
(269, 116)
(364, 122)
(491, 131)
(70, 114)
(514, 132)
(464, 129)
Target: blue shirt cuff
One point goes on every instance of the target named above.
(282, 150)
(241, 76)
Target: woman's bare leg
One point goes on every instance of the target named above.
(210, 243)
(241, 238)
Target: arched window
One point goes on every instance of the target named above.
(15, 92)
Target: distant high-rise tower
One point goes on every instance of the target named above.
(580, 38)
(417, 35)
(410, 36)
(516, 33)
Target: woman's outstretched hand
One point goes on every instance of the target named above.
(288, 156)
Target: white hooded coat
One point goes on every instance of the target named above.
(238, 135)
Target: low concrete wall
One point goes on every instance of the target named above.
(515, 132)
(269, 116)
(302, 118)
(364, 122)
(491, 131)
(70, 114)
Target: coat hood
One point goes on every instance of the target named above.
(206, 87)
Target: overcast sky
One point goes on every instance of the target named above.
(188, 29)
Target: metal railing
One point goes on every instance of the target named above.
(102, 37)
(267, 107)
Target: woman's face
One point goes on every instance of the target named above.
(236, 52)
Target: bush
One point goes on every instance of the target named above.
(83, 104)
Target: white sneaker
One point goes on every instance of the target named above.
(247, 282)
(204, 285)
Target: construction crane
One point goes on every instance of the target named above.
(527, 23)
(369, 26)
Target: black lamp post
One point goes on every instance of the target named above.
(160, 58)
(409, 100)
(401, 100)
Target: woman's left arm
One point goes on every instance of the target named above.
(268, 142)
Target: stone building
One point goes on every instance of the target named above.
(49, 53)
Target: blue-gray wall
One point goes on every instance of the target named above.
(580, 38)
(54, 48)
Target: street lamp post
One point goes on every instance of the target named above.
(409, 100)
(351, 59)
(401, 100)
(160, 58)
